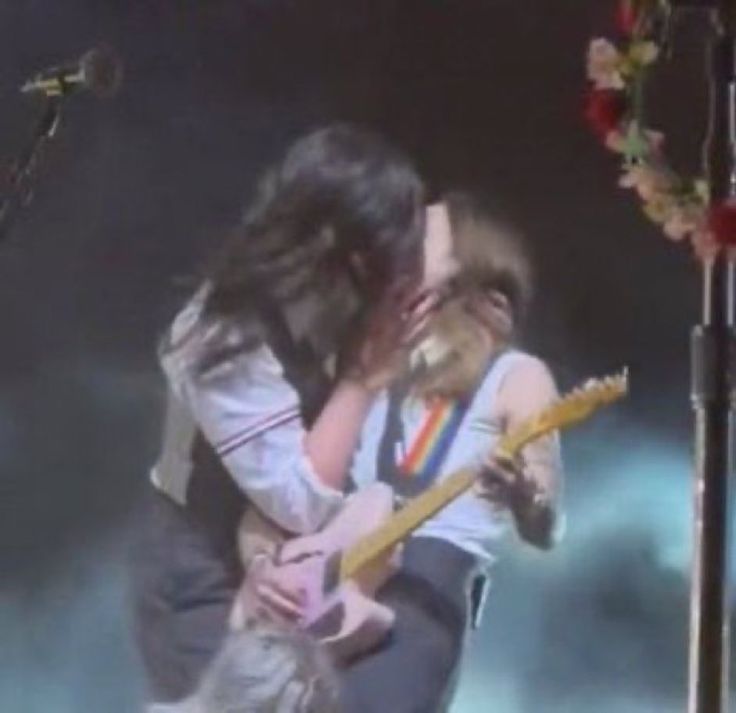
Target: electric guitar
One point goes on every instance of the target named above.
(341, 567)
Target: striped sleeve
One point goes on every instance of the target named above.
(251, 416)
(250, 432)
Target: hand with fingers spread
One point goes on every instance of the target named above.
(391, 331)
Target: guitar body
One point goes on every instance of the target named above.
(342, 615)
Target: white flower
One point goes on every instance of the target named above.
(604, 62)
(682, 222)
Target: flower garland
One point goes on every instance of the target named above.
(614, 111)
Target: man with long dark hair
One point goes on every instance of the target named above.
(329, 247)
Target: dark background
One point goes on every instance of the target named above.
(485, 94)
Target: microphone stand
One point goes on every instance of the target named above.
(25, 168)
(712, 389)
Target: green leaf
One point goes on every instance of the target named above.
(636, 144)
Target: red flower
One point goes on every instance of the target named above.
(604, 109)
(626, 17)
(722, 222)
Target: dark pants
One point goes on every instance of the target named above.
(415, 670)
(184, 581)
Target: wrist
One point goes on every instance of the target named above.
(528, 500)
(357, 387)
(361, 382)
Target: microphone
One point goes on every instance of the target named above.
(99, 71)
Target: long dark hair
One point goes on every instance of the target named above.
(342, 211)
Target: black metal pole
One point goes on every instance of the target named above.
(712, 353)
(25, 167)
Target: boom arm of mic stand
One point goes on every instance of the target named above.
(25, 167)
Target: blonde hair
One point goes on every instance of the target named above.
(490, 256)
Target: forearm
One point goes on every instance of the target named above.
(535, 503)
(535, 517)
(534, 498)
(532, 509)
(333, 439)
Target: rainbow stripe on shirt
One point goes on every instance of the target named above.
(424, 458)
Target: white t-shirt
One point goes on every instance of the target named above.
(469, 522)
(250, 414)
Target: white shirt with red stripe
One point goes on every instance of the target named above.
(250, 414)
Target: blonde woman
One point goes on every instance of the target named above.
(470, 384)
(467, 384)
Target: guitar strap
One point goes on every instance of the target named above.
(428, 451)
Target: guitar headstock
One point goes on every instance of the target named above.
(587, 398)
(572, 408)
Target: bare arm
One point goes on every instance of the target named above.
(532, 499)
(333, 439)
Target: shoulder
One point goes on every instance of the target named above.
(200, 350)
(527, 382)
(523, 366)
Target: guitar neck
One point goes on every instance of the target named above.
(574, 408)
(403, 522)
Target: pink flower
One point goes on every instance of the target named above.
(704, 244)
(604, 62)
(648, 182)
(616, 141)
